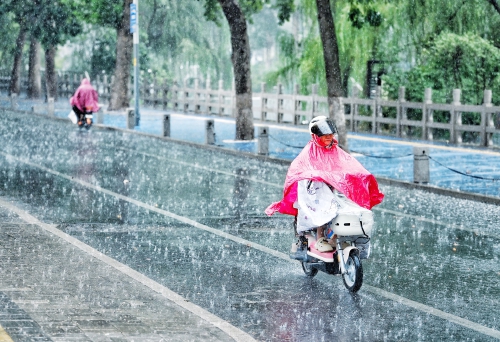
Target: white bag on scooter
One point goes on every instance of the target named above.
(72, 116)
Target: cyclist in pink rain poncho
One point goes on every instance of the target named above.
(84, 101)
(320, 169)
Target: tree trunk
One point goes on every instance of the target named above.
(332, 69)
(240, 58)
(15, 77)
(50, 72)
(34, 90)
(124, 44)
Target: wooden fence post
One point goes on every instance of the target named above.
(427, 116)
(486, 119)
(354, 109)
(376, 111)
(455, 119)
(401, 113)
(263, 102)
(175, 96)
(164, 94)
(155, 92)
(208, 96)
(185, 96)
(296, 105)
(219, 98)
(279, 103)
(105, 88)
(314, 93)
(196, 99)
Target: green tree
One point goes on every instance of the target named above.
(54, 23)
(465, 62)
(114, 14)
(236, 14)
(425, 38)
(22, 14)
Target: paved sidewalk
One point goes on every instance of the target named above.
(52, 290)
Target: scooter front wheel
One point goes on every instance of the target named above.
(353, 278)
(308, 269)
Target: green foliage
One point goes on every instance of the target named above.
(103, 58)
(357, 43)
(363, 12)
(100, 12)
(453, 61)
(55, 22)
(285, 8)
(8, 41)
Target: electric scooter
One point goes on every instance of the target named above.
(349, 232)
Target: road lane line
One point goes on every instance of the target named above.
(234, 332)
(407, 302)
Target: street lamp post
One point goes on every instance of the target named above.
(134, 29)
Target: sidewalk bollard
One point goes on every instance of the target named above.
(421, 165)
(166, 125)
(13, 100)
(50, 106)
(263, 141)
(210, 136)
(130, 118)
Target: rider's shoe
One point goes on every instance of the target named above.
(299, 249)
(322, 245)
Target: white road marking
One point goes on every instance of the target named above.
(169, 294)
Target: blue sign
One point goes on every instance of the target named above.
(133, 17)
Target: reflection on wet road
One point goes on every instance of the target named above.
(192, 220)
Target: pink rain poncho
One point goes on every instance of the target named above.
(334, 167)
(85, 98)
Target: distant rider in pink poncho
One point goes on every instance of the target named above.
(320, 169)
(85, 101)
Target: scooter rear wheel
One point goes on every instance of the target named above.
(353, 278)
(308, 269)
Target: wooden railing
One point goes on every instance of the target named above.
(399, 118)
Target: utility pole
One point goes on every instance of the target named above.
(134, 29)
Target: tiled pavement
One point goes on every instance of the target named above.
(51, 290)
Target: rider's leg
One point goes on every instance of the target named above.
(79, 114)
(320, 232)
(299, 249)
(322, 244)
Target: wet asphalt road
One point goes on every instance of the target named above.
(433, 275)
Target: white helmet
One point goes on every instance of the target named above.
(321, 125)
